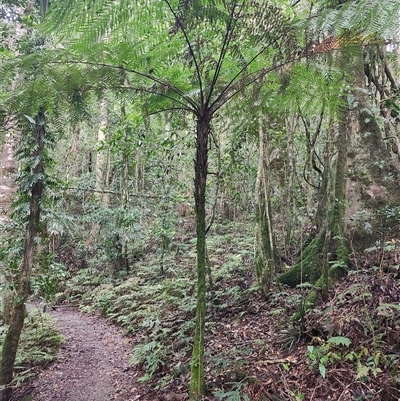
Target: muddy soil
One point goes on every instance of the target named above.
(93, 364)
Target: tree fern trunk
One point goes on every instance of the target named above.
(10, 345)
(197, 383)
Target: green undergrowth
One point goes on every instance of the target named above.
(159, 308)
(352, 337)
(38, 346)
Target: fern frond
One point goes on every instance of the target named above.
(312, 89)
(206, 57)
(366, 18)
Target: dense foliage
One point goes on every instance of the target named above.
(289, 112)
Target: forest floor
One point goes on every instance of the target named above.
(346, 349)
(259, 356)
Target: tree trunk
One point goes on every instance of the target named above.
(197, 383)
(121, 244)
(289, 209)
(8, 172)
(374, 173)
(10, 345)
(326, 256)
(365, 182)
(265, 261)
(101, 158)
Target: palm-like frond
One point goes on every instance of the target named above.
(185, 51)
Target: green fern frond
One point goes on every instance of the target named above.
(313, 88)
(217, 47)
(369, 17)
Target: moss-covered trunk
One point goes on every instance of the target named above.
(364, 180)
(373, 169)
(325, 258)
(10, 345)
(197, 382)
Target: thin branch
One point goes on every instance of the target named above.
(214, 106)
(390, 76)
(232, 81)
(317, 132)
(305, 176)
(178, 20)
(112, 192)
(311, 142)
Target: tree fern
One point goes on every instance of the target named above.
(150, 49)
(188, 55)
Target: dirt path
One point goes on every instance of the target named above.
(93, 363)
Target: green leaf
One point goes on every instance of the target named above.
(362, 371)
(334, 355)
(339, 341)
(322, 370)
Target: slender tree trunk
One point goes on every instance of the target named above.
(197, 383)
(101, 158)
(327, 222)
(265, 262)
(10, 345)
(121, 246)
(289, 209)
(8, 169)
(8, 172)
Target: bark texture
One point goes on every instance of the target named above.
(197, 382)
(373, 172)
(360, 178)
(265, 261)
(10, 345)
